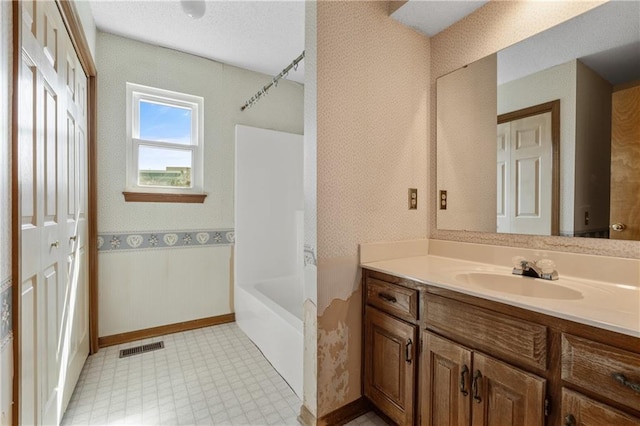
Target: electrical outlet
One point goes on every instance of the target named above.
(413, 198)
(443, 200)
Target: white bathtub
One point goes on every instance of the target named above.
(270, 313)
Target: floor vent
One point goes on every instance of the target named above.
(141, 349)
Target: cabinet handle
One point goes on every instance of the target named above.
(569, 420)
(387, 297)
(408, 351)
(465, 371)
(476, 395)
(620, 378)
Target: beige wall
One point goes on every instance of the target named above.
(495, 26)
(153, 287)
(593, 150)
(468, 152)
(372, 109)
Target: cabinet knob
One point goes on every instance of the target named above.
(55, 244)
(569, 420)
(618, 227)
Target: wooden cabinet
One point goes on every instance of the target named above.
(505, 395)
(483, 362)
(578, 410)
(390, 365)
(390, 355)
(610, 372)
(446, 382)
(461, 385)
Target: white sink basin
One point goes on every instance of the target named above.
(518, 285)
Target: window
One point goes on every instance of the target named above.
(164, 142)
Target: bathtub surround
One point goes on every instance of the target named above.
(372, 109)
(269, 258)
(187, 274)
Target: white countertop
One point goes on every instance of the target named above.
(610, 306)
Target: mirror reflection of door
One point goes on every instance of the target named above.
(625, 161)
(527, 184)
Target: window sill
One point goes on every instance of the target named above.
(154, 197)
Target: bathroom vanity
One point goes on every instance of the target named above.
(437, 351)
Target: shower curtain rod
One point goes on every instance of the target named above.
(262, 92)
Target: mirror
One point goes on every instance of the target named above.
(524, 136)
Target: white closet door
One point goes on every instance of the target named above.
(75, 335)
(53, 188)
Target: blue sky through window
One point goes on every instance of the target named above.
(164, 123)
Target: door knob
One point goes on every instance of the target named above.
(618, 227)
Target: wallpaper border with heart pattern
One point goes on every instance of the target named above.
(6, 313)
(112, 242)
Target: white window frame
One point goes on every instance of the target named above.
(137, 93)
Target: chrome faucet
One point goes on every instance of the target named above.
(543, 268)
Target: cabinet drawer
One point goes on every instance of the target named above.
(495, 333)
(396, 300)
(608, 371)
(577, 409)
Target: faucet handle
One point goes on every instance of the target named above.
(547, 266)
(517, 261)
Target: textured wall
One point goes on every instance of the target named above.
(495, 26)
(225, 89)
(593, 150)
(88, 24)
(372, 109)
(469, 150)
(6, 336)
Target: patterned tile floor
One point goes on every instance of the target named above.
(210, 376)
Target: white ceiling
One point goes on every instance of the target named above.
(262, 36)
(606, 39)
(432, 16)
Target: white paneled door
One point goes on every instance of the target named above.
(53, 182)
(525, 155)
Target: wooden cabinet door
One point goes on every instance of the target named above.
(505, 395)
(625, 154)
(446, 381)
(390, 365)
(578, 410)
